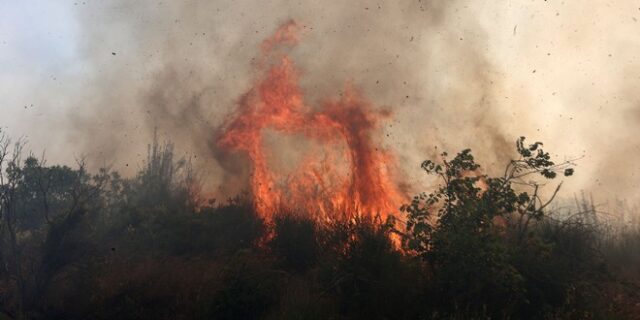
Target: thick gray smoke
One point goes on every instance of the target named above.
(182, 67)
(455, 74)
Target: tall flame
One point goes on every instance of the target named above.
(346, 176)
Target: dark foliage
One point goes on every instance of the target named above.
(76, 245)
(295, 242)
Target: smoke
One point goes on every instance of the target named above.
(454, 74)
(181, 68)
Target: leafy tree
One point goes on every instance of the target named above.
(41, 210)
(461, 228)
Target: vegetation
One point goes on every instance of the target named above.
(80, 245)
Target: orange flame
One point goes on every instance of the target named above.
(347, 176)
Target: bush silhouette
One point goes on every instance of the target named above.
(77, 245)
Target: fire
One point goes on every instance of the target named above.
(343, 175)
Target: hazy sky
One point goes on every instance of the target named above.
(39, 63)
(474, 73)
